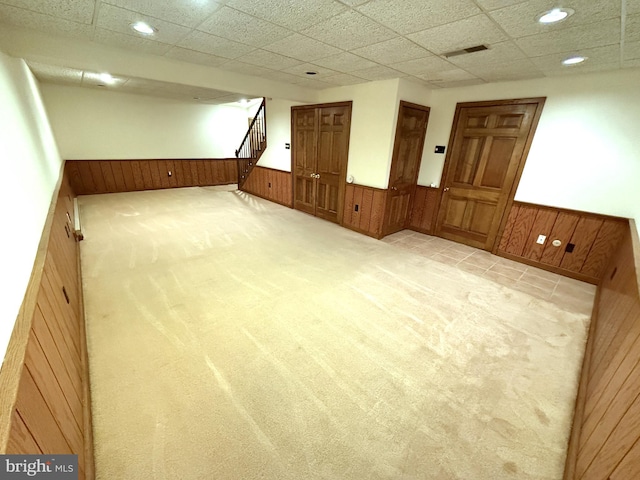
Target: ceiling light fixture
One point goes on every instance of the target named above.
(244, 101)
(554, 16)
(574, 60)
(106, 78)
(144, 28)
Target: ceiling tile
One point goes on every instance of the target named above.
(188, 14)
(233, 24)
(130, 42)
(43, 22)
(459, 83)
(341, 79)
(213, 45)
(465, 33)
(421, 82)
(513, 70)
(80, 11)
(301, 47)
(496, 54)
(294, 14)
(345, 62)
(570, 39)
(281, 77)
(300, 70)
(415, 15)
(244, 68)
(119, 19)
(349, 30)
(633, 7)
(520, 20)
(635, 63)
(395, 50)
(631, 50)
(192, 56)
(597, 57)
(379, 72)
(452, 75)
(55, 73)
(270, 60)
(312, 83)
(632, 29)
(495, 4)
(353, 3)
(423, 66)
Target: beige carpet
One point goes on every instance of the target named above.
(233, 338)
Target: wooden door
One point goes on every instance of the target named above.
(488, 148)
(319, 158)
(333, 150)
(305, 143)
(405, 165)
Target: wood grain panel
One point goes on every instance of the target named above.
(21, 440)
(371, 207)
(594, 239)
(270, 184)
(606, 431)
(89, 177)
(545, 219)
(424, 209)
(50, 403)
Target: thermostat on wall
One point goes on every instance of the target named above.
(439, 149)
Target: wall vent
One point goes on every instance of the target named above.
(464, 51)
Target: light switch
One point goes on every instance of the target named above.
(541, 239)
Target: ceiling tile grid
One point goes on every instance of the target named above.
(351, 41)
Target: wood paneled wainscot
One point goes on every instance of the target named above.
(588, 240)
(89, 177)
(270, 184)
(605, 439)
(44, 390)
(364, 209)
(424, 209)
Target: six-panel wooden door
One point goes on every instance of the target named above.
(487, 152)
(320, 152)
(405, 164)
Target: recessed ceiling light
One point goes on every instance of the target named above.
(244, 101)
(576, 59)
(311, 73)
(106, 78)
(555, 15)
(144, 28)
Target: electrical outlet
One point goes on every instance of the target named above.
(541, 239)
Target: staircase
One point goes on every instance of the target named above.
(253, 145)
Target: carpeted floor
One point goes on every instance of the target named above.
(233, 338)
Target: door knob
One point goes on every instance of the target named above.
(446, 189)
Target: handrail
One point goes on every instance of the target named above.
(253, 144)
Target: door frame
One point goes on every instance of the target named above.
(539, 101)
(343, 172)
(394, 157)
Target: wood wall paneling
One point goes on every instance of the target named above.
(364, 209)
(89, 177)
(594, 239)
(270, 184)
(424, 209)
(606, 432)
(50, 403)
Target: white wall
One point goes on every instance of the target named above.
(31, 166)
(375, 108)
(585, 154)
(278, 134)
(94, 124)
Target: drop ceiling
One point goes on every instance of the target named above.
(346, 42)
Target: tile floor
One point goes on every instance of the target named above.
(534, 281)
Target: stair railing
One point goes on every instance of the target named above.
(253, 144)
